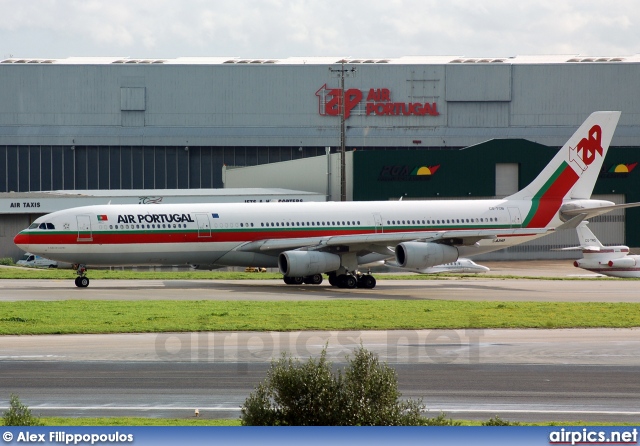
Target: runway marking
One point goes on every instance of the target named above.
(541, 411)
(443, 409)
(142, 408)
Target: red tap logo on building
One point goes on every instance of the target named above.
(585, 152)
(377, 103)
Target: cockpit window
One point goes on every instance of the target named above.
(42, 226)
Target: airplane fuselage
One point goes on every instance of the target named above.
(213, 233)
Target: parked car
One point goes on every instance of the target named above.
(36, 261)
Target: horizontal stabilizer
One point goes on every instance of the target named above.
(595, 211)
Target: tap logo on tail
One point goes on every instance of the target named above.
(585, 152)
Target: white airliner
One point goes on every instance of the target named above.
(306, 240)
(612, 261)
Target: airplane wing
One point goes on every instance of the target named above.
(380, 241)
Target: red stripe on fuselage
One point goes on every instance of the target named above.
(551, 200)
(141, 237)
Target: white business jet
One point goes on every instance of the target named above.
(307, 240)
(461, 265)
(614, 261)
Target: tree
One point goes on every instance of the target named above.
(18, 414)
(304, 394)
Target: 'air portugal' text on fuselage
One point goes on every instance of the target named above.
(307, 240)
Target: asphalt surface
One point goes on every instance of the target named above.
(540, 375)
(516, 374)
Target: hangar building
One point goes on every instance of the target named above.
(120, 123)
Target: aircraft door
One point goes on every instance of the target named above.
(204, 227)
(84, 228)
(514, 215)
(377, 222)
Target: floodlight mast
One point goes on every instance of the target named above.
(341, 109)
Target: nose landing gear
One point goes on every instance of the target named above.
(82, 281)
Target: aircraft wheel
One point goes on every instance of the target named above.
(84, 282)
(297, 280)
(316, 279)
(367, 281)
(333, 281)
(287, 280)
(78, 281)
(350, 281)
(346, 281)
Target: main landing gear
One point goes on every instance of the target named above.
(358, 280)
(316, 279)
(82, 281)
(366, 281)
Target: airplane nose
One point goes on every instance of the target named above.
(22, 241)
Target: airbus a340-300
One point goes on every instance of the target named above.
(307, 240)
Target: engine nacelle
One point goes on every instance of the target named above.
(625, 262)
(307, 263)
(424, 255)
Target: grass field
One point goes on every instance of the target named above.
(81, 316)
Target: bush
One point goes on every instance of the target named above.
(6, 261)
(18, 414)
(310, 394)
(441, 420)
(497, 421)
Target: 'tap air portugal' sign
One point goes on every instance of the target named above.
(378, 102)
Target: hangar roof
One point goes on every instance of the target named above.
(325, 60)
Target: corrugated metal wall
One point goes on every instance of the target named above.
(278, 105)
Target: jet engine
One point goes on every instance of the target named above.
(423, 255)
(625, 262)
(307, 263)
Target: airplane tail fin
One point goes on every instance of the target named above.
(572, 173)
(586, 237)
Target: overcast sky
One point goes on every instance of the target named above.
(286, 28)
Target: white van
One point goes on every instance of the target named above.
(36, 261)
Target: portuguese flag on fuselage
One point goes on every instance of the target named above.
(102, 218)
